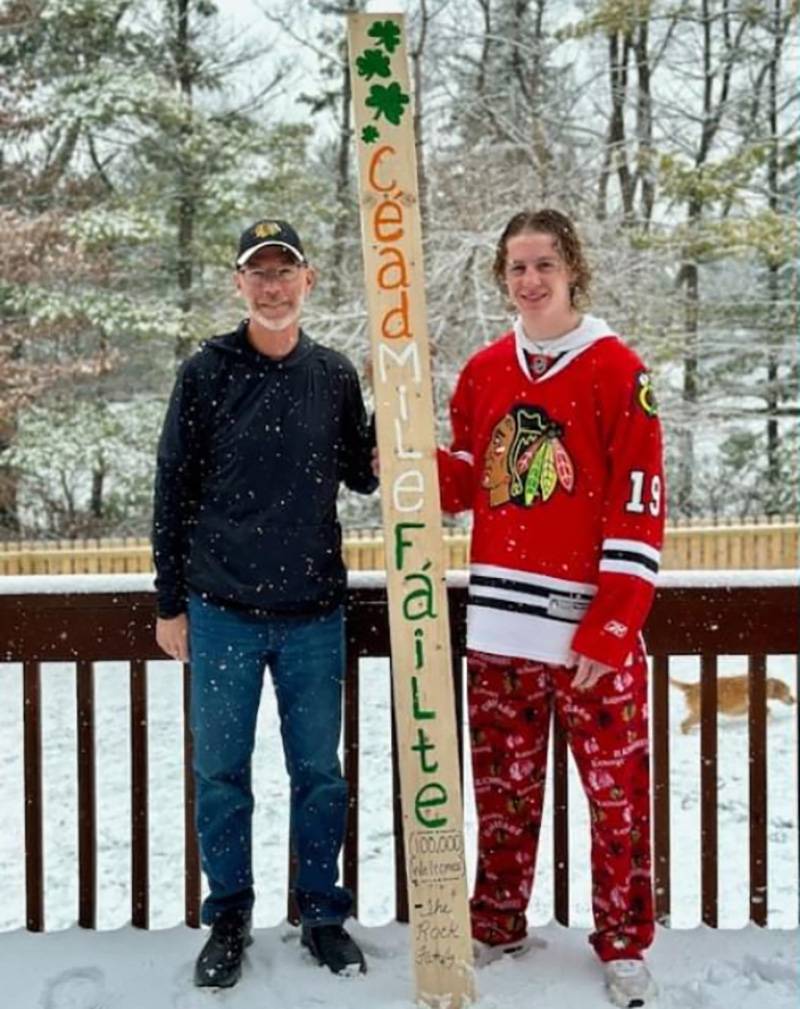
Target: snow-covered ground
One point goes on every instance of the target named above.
(736, 967)
(126, 969)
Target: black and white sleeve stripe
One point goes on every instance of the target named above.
(631, 557)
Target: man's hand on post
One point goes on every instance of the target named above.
(172, 635)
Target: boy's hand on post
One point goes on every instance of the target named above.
(172, 636)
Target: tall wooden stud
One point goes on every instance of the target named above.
(421, 668)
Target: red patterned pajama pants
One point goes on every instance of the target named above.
(510, 701)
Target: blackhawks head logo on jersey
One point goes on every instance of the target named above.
(525, 459)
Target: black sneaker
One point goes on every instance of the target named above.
(220, 962)
(332, 947)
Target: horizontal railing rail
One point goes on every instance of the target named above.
(697, 545)
(89, 619)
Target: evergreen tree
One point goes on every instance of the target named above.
(129, 173)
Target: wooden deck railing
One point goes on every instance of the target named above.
(94, 618)
(697, 545)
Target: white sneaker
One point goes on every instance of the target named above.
(483, 954)
(630, 984)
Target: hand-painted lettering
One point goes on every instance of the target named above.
(429, 797)
(411, 485)
(420, 604)
(387, 353)
(400, 452)
(387, 221)
(419, 654)
(374, 164)
(420, 714)
(400, 543)
(395, 323)
(421, 747)
(394, 273)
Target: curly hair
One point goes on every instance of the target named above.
(560, 227)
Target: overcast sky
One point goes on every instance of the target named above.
(247, 11)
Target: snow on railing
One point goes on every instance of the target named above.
(12, 585)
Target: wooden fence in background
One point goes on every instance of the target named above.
(695, 545)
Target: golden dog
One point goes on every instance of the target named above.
(732, 697)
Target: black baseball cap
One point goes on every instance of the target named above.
(265, 233)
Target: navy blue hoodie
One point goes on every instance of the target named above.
(249, 464)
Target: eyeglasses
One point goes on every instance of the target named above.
(282, 275)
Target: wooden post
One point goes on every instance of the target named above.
(415, 568)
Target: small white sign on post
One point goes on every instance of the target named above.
(419, 624)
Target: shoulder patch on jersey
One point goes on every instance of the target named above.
(644, 395)
(525, 460)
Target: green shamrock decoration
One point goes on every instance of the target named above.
(389, 101)
(373, 63)
(369, 134)
(387, 34)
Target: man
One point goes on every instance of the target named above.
(262, 426)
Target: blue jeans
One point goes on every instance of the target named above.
(229, 649)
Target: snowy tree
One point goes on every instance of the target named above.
(699, 114)
(86, 469)
(122, 145)
(140, 136)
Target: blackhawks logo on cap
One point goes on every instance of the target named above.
(525, 460)
(266, 229)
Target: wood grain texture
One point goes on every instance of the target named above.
(419, 624)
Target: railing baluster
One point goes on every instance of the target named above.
(661, 796)
(191, 871)
(140, 865)
(457, 662)
(708, 790)
(34, 847)
(400, 878)
(351, 773)
(87, 797)
(757, 727)
(292, 910)
(560, 825)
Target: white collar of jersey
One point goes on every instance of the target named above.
(566, 347)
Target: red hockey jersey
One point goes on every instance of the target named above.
(560, 461)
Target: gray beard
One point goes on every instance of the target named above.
(277, 325)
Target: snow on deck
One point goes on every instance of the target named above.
(699, 968)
